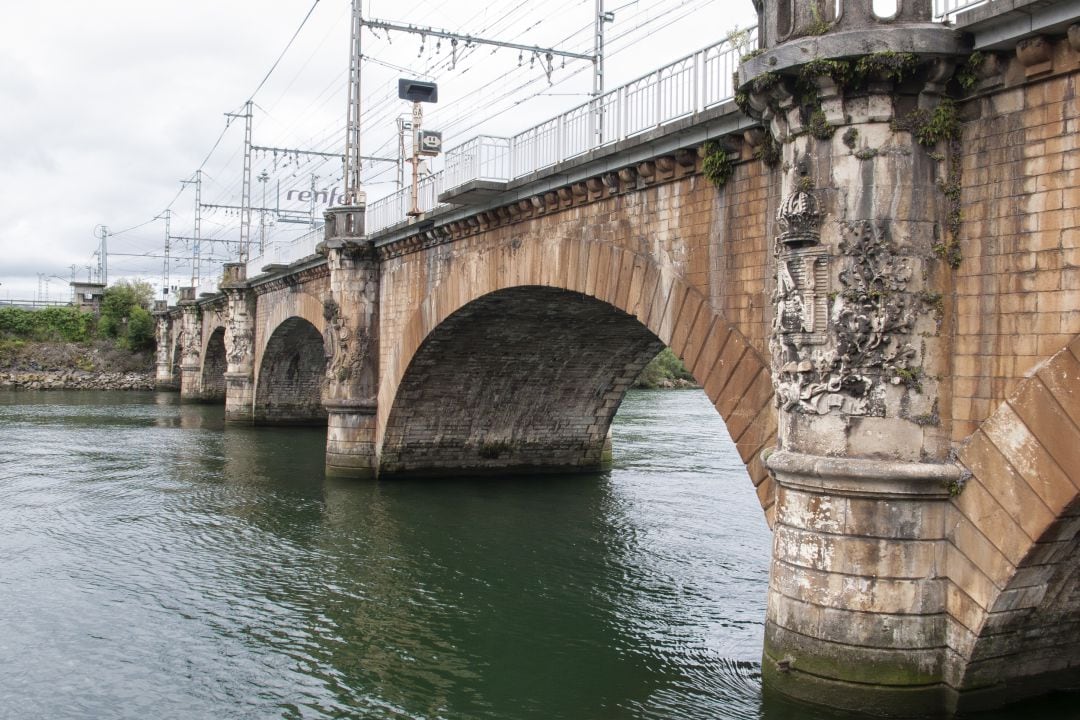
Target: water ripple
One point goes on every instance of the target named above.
(154, 562)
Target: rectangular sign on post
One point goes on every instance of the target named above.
(418, 91)
(430, 142)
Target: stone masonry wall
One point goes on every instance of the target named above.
(214, 366)
(1018, 285)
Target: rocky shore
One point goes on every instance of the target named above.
(74, 380)
(52, 365)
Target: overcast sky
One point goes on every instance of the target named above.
(106, 105)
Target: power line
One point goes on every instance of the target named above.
(285, 50)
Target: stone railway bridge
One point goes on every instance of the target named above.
(882, 300)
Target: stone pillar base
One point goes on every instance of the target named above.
(607, 456)
(350, 440)
(164, 380)
(782, 686)
(856, 616)
(239, 398)
(190, 384)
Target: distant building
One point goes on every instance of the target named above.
(87, 296)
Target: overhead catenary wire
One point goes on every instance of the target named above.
(458, 117)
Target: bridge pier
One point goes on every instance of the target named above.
(239, 344)
(856, 614)
(351, 342)
(190, 346)
(164, 378)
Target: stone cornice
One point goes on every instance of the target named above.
(928, 40)
(862, 477)
(290, 277)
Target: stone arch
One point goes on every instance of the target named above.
(214, 365)
(1014, 536)
(633, 285)
(279, 309)
(288, 387)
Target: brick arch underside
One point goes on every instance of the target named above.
(664, 309)
(288, 388)
(524, 379)
(214, 365)
(1014, 556)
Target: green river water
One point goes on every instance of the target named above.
(157, 564)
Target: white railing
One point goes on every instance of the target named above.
(279, 252)
(688, 85)
(947, 10)
(482, 158)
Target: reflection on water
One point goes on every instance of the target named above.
(156, 563)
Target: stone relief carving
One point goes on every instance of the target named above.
(238, 342)
(799, 218)
(346, 350)
(838, 350)
(190, 339)
(162, 342)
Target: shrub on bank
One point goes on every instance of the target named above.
(125, 320)
(664, 370)
(55, 323)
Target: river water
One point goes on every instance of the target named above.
(154, 563)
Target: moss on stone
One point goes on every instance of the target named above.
(717, 165)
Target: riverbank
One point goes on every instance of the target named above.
(94, 365)
(665, 371)
(104, 365)
(74, 380)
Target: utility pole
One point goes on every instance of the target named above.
(352, 122)
(311, 208)
(165, 265)
(598, 68)
(197, 235)
(245, 200)
(417, 120)
(263, 177)
(402, 126)
(102, 232)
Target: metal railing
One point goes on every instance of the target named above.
(284, 252)
(947, 10)
(35, 304)
(690, 84)
(482, 158)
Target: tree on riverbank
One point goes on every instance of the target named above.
(125, 315)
